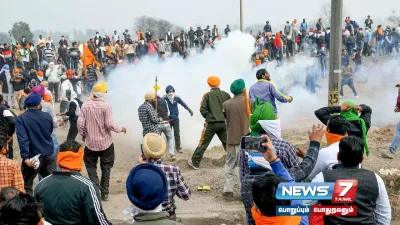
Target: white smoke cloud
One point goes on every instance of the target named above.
(230, 61)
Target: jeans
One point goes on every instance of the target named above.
(56, 145)
(350, 83)
(74, 63)
(323, 68)
(34, 64)
(107, 158)
(366, 51)
(175, 125)
(232, 157)
(279, 53)
(396, 139)
(166, 129)
(379, 45)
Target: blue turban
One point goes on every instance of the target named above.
(33, 100)
(147, 186)
(6, 67)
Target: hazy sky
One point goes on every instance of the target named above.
(120, 14)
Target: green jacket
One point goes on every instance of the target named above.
(160, 218)
(211, 105)
(70, 199)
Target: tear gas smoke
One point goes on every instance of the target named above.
(229, 61)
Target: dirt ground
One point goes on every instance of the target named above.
(210, 208)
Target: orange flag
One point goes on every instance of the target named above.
(88, 57)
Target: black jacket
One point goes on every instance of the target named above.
(72, 109)
(4, 83)
(7, 122)
(76, 203)
(267, 28)
(324, 115)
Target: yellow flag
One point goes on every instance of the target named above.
(156, 87)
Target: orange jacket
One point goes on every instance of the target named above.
(278, 40)
(140, 35)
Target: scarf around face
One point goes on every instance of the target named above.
(273, 220)
(333, 138)
(352, 115)
(261, 111)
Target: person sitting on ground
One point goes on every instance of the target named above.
(336, 130)
(10, 170)
(264, 190)
(78, 202)
(373, 206)
(359, 117)
(259, 166)
(21, 209)
(147, 188)
(154, 148)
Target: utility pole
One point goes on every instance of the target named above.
(335, 52)
(241, 15)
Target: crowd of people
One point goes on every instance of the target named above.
(152, 185)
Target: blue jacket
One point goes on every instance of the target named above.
(34, 129)
(327, 40)
(303, 26)
(173, 106)
(367, 37)
(282, 172)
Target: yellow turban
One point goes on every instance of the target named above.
(150, 95)
(100, 87)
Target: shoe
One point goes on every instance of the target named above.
(341, 96)
(104, 197)
(179, 150)
(357, 97)
(192, 165)
(172, 157)
(393, 151)
(228, 194)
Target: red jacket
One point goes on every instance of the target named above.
(398, 101)
(278, 41)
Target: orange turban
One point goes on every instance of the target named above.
(40, 73)
(213, 81)
(16, 70)
(47, 98)
(69, 73)
(258, 62)
(71, 160)
(266, 52)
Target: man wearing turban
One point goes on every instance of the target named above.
(237, 125)
(212, 110)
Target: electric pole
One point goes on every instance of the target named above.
(241, 15)
(335, 52)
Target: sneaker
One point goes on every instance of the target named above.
(192, 165)
(104, 197)
(341, 96)
(179, 150)
(357, 97)
(172, 157)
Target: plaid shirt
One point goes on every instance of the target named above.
(149, 119)
(176, 185)
(299, 171)
(10, 174)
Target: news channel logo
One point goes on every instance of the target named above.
(341, 191)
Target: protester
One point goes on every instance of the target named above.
(10, 170)
(34, 129)
(259, 166)
(267, 28)
(237, 125)
(359, 124)
(173, 100)
(21, 209)
(227, 30)
(264, 193)
(74, 110)
(212, 111)
(7, 126)
(147, 189)
(54, 80)
(77, 202)
(6, 85)
(21, 99)
(8, 193)
(18, 83)
(266, 91)
(396, 139)
(373, 206)
(154, 148)
(148, 115)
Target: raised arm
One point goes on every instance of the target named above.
(324, 114)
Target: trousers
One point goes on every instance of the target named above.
(73, 130)
(53, 87)
(396, 139)
(175, 126)
(232, 157)
(46, 167)
(209, 130)
(349, 83)
(165, 129)
(107, 158)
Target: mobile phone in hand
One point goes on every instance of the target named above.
(253, 143)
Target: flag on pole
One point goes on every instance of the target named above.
(88, 57)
